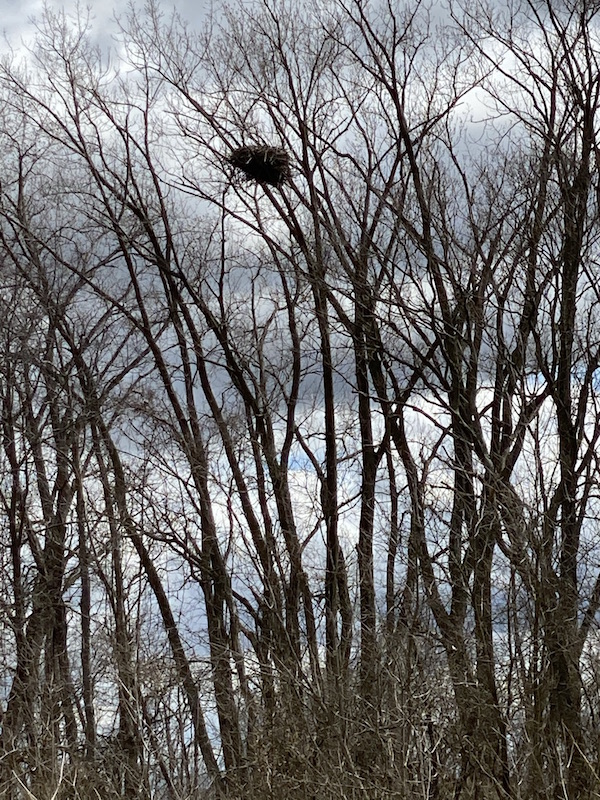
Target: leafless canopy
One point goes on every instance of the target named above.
(300, 489)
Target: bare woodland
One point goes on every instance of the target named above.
(299, 479)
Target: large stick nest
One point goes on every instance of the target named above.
(262, 164)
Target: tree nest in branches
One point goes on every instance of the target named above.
(262, 164)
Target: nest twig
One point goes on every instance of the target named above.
(262, 164)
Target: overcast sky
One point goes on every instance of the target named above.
(17, 24)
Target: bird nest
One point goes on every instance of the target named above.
(269, 165)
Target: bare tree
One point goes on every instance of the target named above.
(322, 443)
